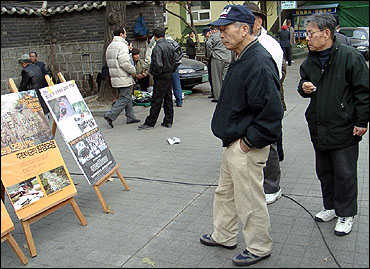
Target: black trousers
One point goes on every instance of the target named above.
(287, 55)
(337, 172)
(162, 92)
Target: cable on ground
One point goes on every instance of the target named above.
(215, 185)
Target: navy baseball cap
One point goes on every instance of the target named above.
(234, 13)
(205, 30)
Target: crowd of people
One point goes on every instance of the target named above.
(247, 68)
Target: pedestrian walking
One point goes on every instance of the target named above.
(121, 72)
(272, 172)
(220, 60)
(247, 119)
(162, 66)
(190, 46)
(206, 32)
(335, 78)
(292, 37)
(284, 39)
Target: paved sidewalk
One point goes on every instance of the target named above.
(170, 203)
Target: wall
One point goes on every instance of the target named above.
(21, 34)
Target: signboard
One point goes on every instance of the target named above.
(288, 4)
(79, 130)
(32, 169)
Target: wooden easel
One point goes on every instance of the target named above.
(6, 227)
(39, 215)
(98, 184)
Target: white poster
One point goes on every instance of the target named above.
(79, 130)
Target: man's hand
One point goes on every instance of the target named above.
(359, 131)
(308, 87)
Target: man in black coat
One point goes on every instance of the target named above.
(190, 46)
(284, 40)
(32, 79)
(162, 66)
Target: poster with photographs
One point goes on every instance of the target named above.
(32, 169)
(79, 130)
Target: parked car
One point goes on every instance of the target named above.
(359, 37)
(192, 73)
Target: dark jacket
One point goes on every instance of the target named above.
(162, 60)
(249, 105)
(32, 78)
(284, 38)
(42, 67)
(341, 100)
(190, 47)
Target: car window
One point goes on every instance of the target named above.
(359, 34)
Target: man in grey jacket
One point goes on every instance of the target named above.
(220, 60)
(121, 72)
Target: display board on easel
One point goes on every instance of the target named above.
(81, 134)
(32, 169)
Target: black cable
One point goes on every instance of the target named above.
(213, 185)
(323, 238)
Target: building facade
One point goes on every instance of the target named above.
(61, 32)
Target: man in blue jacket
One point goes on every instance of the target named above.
(336, 79)
(247, 119)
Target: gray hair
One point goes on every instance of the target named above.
(324, 21)
(240, 24)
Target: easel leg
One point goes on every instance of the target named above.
(101, 198)
(123, 180)
(78, 212)
(13, 244)
(2, 192)
(29, 239)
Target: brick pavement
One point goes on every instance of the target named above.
(161, 220)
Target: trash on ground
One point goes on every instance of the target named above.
(173, 140)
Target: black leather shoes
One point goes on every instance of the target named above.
(133, 121)
(167, 125)
(144, 127)
(110, 122)
(214, 101)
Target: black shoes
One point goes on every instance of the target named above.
(133, 121)
(214, 101)
(168, 125)
(179, 105)
(211, 96)
(110, 122)
(145, 127)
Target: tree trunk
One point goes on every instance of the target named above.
(115, 14)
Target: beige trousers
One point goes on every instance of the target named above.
(240, 195)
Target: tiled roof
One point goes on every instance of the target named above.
(48, 8)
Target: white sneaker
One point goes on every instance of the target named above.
(343, 226)
(272, 197)
(325, 215)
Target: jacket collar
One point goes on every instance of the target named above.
(119, 39)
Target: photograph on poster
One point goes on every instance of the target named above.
(23, 123)
(25, 193)
(54, 180)
(61, 107)
(83, 151)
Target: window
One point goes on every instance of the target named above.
(201, 11)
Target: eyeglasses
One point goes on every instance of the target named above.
(309, 34)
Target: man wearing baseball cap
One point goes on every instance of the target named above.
(247, 119)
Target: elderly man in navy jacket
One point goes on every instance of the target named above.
(247, 119)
